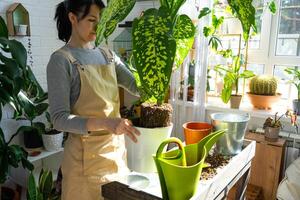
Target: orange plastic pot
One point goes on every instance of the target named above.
(195, 131)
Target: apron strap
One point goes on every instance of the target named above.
(107, 54)
(68, 55)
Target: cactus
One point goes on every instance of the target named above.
(263, 85)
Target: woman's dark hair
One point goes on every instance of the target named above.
(79, 7)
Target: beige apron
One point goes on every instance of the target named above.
(98, 157)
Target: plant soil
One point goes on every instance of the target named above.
(52, 132)
(153, 115)
(216, 161)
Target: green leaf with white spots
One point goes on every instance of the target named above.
(173, 6)
(245, 12)
(115, 12)
(154, 51)
(184, 33)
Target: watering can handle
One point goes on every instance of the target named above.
(176, 141)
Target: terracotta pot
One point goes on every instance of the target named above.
(235, 101)
(195, 131)
(263, 102)
(272, 134)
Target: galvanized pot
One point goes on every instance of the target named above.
(232, 141)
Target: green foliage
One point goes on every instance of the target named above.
(274, 123)
(20, 89)
(44, 190)
(115, 12)
(161, 39)
(154, 51)
(272, 7)
(205, 11)
(263, 85)
(232, 76)
(11, 155)
(211, 30)
(17, 81)
(245, 12)
(295, 72)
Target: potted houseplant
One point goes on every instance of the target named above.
(272, 127)
(18, 85)
(163, 30)
(44, 190)
(161, 40)
(32, 133)
(52, 138)
(11, 155)
(263, 93)
(231, 81)
(296, 81)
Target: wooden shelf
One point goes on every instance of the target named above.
(16, 15)
(43, 154)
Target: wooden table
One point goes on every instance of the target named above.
(236, 171)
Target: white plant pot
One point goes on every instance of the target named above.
(139, 155)
(53, 142)
(21, 29)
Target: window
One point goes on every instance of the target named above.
(275, 46)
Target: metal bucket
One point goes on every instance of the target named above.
(231, 142)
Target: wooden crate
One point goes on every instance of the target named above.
(267, 164)
(253, 192)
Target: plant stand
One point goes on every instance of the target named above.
(217, 187)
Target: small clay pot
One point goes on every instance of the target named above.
(235, 101)
(272, 134)
(196, 131)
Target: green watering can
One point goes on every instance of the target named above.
(180, 170)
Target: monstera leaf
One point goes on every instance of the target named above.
(245, 12)
(184, 33)
(154, 51)
(115, 12)
(3, 29)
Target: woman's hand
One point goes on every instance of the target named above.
(117, 126)
(122, 126)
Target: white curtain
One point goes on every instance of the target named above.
(184, 110)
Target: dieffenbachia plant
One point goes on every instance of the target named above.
(161, 40)
(115, 12)
(241, 9)
(245, 12)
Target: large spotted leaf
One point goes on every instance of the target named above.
(172, 5)
(184, 33)
(116, 11)
(245, 12)
(154, 51)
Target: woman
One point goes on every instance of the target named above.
(84, 101)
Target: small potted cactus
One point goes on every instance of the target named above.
(263, 93)
(272, 128)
